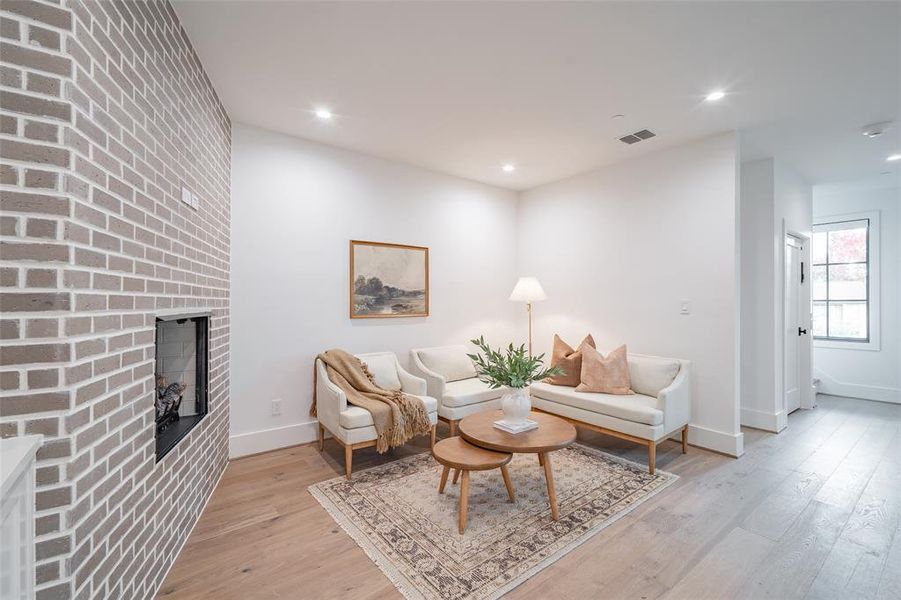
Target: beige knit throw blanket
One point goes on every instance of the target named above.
(397, 416)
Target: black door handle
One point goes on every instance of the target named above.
(802, 331)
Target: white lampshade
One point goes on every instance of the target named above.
(528, 290)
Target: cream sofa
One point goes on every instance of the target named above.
(352, 426)
(451, 379)
(660, 407)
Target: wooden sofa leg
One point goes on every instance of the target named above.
(685, 440)
(432, 436)
(321, 436)
(348, 461)
(453, 428)
(652, 457)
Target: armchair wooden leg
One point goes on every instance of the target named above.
(321, 436)
(432, 436)
(348, 461)
(453, 431)
(652, 457)
(685, 440)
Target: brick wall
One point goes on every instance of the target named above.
(105, 112)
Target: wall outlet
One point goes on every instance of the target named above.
(685, 307)
(276, 407)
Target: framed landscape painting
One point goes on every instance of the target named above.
(388, 280)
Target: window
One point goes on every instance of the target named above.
(840, 280)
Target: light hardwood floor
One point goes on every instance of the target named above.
(814, 512)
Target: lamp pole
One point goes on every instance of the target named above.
(529, 310)
(528, 290)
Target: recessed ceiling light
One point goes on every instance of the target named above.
(893, 157)
(509, 168)
(715, 95)
(323, 113)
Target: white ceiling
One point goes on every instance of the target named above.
(464, 87)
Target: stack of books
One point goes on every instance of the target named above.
(526, 425)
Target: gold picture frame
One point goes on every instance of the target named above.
(388, 280)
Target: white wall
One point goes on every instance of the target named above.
(759, 401)
(870, 374)
(619, 248)
(774, 201)
(295, 206)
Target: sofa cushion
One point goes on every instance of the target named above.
(637, 407)
(469, 391)
(450, 362)
(384, 370)
(605, 374)
(568, 359)
(353, 417)
(650, 374)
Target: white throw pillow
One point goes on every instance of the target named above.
(650, 374)
(384, 370)
(449, 361)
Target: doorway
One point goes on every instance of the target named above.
(795, 331)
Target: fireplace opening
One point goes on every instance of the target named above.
(181, 376)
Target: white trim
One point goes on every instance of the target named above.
(758, 419)
(176, 314)
(732, 444)
(255, 442)
(833, 387)
(873, 280)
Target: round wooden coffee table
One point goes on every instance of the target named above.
(553, 433)
(457, 453)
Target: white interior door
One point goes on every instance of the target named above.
(793, 329)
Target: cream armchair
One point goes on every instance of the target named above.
(352, 426)
(451, 379)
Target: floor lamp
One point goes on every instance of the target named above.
(528, 290)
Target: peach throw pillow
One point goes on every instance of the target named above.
(608, 375)
(569, 360)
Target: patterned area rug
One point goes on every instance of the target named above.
(394, 512)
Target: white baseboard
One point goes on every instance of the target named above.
(271, 439)
(255, 442)
(759, 419)
(732, 444)
(833, 387)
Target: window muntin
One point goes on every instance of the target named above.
(840, 253)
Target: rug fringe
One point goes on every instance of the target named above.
(405, 586)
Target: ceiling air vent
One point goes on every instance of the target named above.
(636, 137)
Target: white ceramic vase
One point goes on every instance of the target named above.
(516, 404)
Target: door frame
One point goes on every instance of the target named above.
(805, 351)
